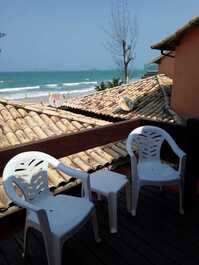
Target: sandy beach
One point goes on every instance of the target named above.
(45, 100)
(33, 100)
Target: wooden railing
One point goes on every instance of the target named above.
(68, 144)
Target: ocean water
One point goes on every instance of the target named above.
(15, 85)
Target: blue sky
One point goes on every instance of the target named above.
(68, 35)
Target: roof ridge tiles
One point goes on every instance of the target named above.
(143, 92)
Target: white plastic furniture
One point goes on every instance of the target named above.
(146, 166)
(108, 183)
(56, 217)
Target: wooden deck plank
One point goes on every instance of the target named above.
(137, 242)
(76, 248)
(10, 253)
(158, 235)
(3, 259)
(102, 251)
(170, 233)
(117, 243)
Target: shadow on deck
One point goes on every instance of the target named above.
(158, 235)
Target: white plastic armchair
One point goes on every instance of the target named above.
(56, 217)
(146, 166)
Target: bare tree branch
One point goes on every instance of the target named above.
(122, 34)
(1, 36)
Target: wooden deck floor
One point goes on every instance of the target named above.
(158, 235)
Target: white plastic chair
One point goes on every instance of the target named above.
(56, 217)
(146, 141)
(108, 183)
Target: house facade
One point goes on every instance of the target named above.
(166, 64)
(185, 92)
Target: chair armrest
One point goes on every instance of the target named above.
(175, 148)
(129, 147)
(181, 154)
(15, 198)
(72, 172)
(134, 175)
(83, 176)
(182, 165)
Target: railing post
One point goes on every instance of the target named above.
(192, 168)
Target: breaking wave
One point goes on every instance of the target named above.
(80, 83)
(16, 89)
(38, 93)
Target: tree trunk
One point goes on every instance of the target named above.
(126, 73)
(124, 48)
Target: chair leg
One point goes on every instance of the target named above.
(99, 197)
(112, 209)
(53, 251)
(82, 191)
(135, 195)
(128, 197)
(48, 248)
(57, 252)
(181, 188)
(95, 227)
(25, 242)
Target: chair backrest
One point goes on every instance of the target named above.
(147, 142)
(30, 173)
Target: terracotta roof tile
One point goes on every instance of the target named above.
(146, 95)
(21, 124)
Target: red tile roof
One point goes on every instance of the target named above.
(25, 124)
(148, 97)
